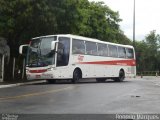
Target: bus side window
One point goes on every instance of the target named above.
(91, 48)
(113, 51)
(102, 49)
(130, 53)
(121, 52)
(78, 46)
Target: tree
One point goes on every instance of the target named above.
(141, 48)
(21, 20)
(152, 42)
(148, 56)
(90, 19)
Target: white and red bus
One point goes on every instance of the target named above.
(56, 57)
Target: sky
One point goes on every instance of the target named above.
(147, 16)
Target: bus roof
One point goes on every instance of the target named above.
(84, 38)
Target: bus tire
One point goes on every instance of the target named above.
(50, 81)
(121, 76)
(76, 76)
(100, 80)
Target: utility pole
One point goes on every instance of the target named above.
(134, 25)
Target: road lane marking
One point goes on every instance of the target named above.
(35, 94)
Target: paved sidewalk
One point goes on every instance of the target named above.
(19, 83)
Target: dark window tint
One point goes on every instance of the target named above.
(63, 51)
(130, 53)
(102, 50)
(113, 51)
(91, 48)
(78, 46)
(122, 52)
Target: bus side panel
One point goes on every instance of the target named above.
(95, 67)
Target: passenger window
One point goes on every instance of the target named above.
(121, 52)
(113, 51)
(91, 48)
(78, 46)
(102, 50)
(130, 53)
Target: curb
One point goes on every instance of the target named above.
(20, 84)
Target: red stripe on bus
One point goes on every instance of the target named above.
(38, 71)
(115, 62)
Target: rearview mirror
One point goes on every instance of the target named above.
(23, 49)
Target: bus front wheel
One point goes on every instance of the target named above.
(76, 76)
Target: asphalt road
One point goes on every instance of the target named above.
(131, 96)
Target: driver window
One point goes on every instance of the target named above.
(63, 51)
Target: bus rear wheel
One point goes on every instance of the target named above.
(76, 76)
(121, 76)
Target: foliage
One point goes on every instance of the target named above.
(21, 20)
(148, 54)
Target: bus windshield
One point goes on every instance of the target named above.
(39, 52)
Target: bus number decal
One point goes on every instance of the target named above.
(80, 58)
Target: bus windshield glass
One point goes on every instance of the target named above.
(40, 53)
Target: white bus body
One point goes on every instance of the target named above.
(95, 59)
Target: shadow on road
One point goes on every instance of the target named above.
(62, 82)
